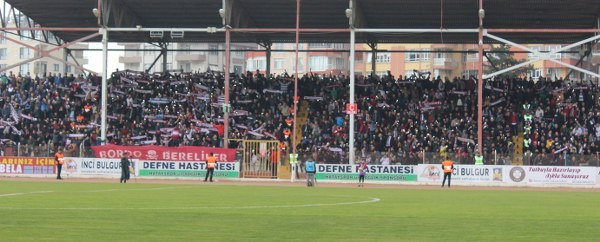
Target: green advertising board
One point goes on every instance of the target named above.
(379, 173)
(185, 169)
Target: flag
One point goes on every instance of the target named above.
(14, 114)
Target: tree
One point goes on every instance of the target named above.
(500, 58)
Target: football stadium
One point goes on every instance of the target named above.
(299, 120)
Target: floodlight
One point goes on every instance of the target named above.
(156, 34)
(177, 34)
(222, 13)
(95, 11)
(481, 13)
(348, 13)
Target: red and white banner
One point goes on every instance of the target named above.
(152, 152)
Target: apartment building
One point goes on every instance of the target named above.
(446, 60)
(12, 53)
(318, 58)
(188, 57)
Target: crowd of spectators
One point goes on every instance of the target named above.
(400, 121)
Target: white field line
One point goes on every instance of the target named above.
(371, 200)
(138, 189)
(22, 193)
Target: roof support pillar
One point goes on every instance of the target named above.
(597, 42)
(164, 52)
(296, 98)
(373, 46)
(65, 57)
(352, 24)
(268, 57)
(227, 73)
(352, 80)
(104, 106)
(480, 81)
(585, 54)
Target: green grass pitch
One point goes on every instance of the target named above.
(81, 211)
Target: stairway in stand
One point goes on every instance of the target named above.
(518, 150)
(302, 119)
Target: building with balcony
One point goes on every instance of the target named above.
(553, 70)
(188, 57)
(12, 53)
(453, 60)
(324, 59)
(404, 59)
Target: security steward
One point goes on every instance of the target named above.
(211, 163)
(59, 160)
(447, 166)
(125, 163)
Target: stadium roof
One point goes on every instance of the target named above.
(405, 14)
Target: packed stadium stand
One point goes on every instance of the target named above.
(404, 120)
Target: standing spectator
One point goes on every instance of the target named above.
(385, 160)
(311, 170)
(362, 171)
(125, 163)
(59, 159)
(211, 163)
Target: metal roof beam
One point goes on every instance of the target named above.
(357, 20)
(235, 15)
(74, 59)
(545, 56)
(120, 14)
(585, 54)
(3, 18)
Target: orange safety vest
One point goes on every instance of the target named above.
(447, 165)
(211, 162)
(60, 158)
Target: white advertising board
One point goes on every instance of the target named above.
(100, 167)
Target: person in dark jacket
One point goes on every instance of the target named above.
(124, 168)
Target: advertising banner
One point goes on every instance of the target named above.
(563, 175)
(27, 165)
(374, 173)
(461, 173)
(93, 167)
(152, 152)
(186, 169)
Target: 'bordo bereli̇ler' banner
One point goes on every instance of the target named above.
(152, 152)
